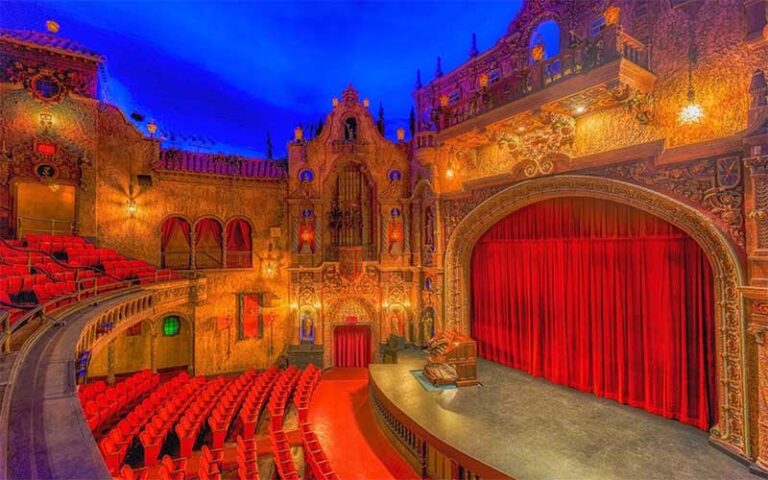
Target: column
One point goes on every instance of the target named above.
(153, 351)
(111, 362)
(758, 327)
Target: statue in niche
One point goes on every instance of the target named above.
(429, 228)
(427, 326)
(307, 327)
(397, 320)
(350, 129)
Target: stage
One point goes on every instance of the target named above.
(529, 429)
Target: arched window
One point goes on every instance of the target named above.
(176, 244)
(239, 244)
(208, 244)
(171, 326)
(547, 34)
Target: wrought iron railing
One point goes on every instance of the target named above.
(218, 164)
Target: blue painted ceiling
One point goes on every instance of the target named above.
(232, 71)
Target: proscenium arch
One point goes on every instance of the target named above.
(732, 426)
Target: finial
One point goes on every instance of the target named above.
(298, 134)
(439, 68)
(473, 49)
(418, 79)
(52, 26)
(366, 103)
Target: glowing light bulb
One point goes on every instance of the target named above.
(691, 113)
(579, 109)
(449, 174)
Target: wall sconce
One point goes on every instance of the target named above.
(450, 173)
(46, 120)
(317, 305)
(294, 306)
(269, 264)
(131, 208)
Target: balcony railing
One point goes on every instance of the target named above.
(611, 45)
(173, 160)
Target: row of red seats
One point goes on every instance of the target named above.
(105, 408)
(255, 400)
(210, 464)
(155, 433)
(247, 459)
(286, 469)
(90, 256)
(314, 458)
(171, 469)
(90, 391)
(53, 244)
(194, 418)
(279, 398)
(114, 446)
(129, 269)
(278, 401)
(308, 381)
(225, 410)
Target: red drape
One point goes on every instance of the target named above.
(352, 346)
(239, 244)
(172, 227)
(603, 298)
(208, 243)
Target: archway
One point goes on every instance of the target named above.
(349, 311)
(351, 345)
(731, 428)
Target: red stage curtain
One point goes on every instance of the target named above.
(208, 243)
(175, 243)
(239, 244)
(352, 346)
(603, 298)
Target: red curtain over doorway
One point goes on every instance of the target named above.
(601, 297)
(352, 346)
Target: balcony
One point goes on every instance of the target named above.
(599, 73)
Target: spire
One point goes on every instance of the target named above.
(380, 122)
(418, 79)
(473, 49)
(439, 68)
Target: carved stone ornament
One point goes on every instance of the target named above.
(721, 253)
(714, 185)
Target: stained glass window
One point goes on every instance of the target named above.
(171, 326)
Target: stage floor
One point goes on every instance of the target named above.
(532, 429)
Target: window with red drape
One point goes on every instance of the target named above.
(175, 243)
(239, 245)
(352, 346)
(208, 244)
(601, 297)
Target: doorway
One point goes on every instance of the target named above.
(351, 346)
